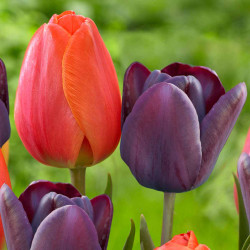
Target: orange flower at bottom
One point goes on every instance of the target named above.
(183, 242)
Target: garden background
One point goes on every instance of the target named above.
(213, 33)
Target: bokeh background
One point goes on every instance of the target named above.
(213, 33)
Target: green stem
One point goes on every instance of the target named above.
(167, 220)
(78, 178)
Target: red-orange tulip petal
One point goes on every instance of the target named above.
(4, 176)
(91, 89)
(246, 148)
(43, 118)
(186, 241)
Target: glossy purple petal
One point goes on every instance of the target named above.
(192, 87)
(4, 94)
(134, 79)
(161, 140)
(84, 203)
(155, 77)
(4, 124)
(46, 206)
(103, 214)
(216, 127)
(68, 227)
(48, 203)
(32, 195)
(17, 229)
(244, 179)
(211, 85)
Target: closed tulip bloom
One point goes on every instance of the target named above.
(183, 242)
(244, 179)
(54, 216)
(68, 104)
(246, 149)
(175, 122)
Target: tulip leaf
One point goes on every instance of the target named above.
(246, 245)
(130, 240)
(145, 238)
(108, 190)
(243, 221)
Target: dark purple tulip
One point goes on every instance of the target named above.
(4, 106)
(54, 216)
(244, 179)
(175, 122)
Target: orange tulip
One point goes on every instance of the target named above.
(183, 242)
(68, 103)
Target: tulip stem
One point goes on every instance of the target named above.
(78, 179)
(167, 220)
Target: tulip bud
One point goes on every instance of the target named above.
(55, 216)
(175, 122)
(246, 149)
(68, 104)
(183, 241)
(244, 179)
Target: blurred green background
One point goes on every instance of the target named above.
(213, 33)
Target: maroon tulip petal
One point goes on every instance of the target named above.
(192, 87)
(216, 127)
(211, 85)
(48, 203)
(103, 213)
(4, 124)
(155, 77)
(68, 227)
(17, 229)
(134, 79)
(244, 179)
(32, 195)
(4, 94)
(161, 140)
(84, 203)
(46, 206)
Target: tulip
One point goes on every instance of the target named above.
(175, 122)
(54, 216)
(4, 113)
(244, 180)
(183, 242)
(246, 149)
(4, 134)
(68, 103)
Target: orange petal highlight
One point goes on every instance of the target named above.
(55, 17)
(71, 23)
(5, 151)
(91, 89)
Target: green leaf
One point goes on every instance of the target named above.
(145, 238)
(108, 190)
(130, 240)
(246, 245)
(243, 221)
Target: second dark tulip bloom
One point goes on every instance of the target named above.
(175, 122)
